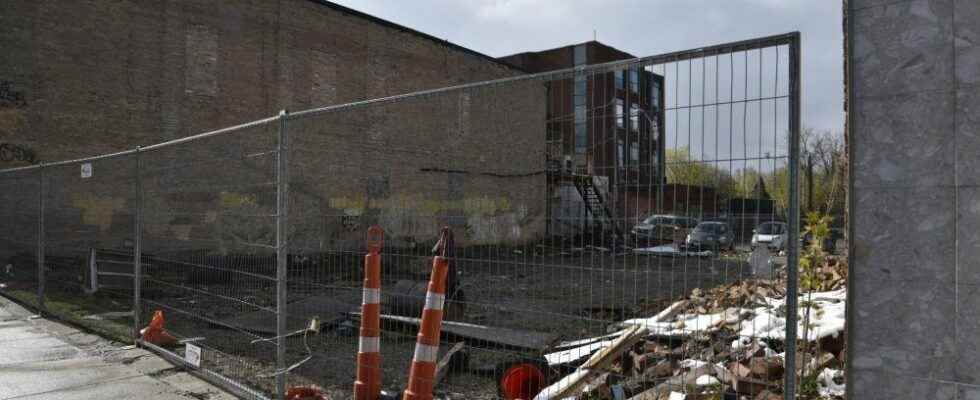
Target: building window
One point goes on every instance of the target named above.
(655, 93)
(634, 117)
(580, 112)
(620, 152)
(619, 79)
(635, 81)
(579, 93)
(579, 54)
(619, 114)
(635, 153)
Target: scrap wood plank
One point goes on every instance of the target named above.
(600, 361)
(299, 313)
(442, 368)
(477, 335)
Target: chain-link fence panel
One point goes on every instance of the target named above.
(613, 230)
(208, 215)
(19, 240)
(601, 216)
(88, 241)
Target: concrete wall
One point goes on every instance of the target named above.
(915, 260)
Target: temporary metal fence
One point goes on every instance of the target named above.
(581, 202)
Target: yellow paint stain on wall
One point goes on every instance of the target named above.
(11, 120)
(182, 232)
(97, 210)
(233, 199)
(419, 205)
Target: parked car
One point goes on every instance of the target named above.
(770, 234)
(663, 228)
(711, 235)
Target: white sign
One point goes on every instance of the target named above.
(87, 170)
(192, 354)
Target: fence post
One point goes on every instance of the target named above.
(282, 200)
(138, 249)
(40, 239)
(792, 248)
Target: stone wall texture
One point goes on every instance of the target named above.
(915, 317)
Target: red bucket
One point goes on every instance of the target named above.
(522, 382)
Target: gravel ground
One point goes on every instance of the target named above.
(573, 294)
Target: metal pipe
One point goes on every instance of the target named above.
(209, 134)
(144, 148)
(282, 200)
(792, 248)
(40, 239)
(138, 247)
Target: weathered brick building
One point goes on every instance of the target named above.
(608, 126)
(85, 78)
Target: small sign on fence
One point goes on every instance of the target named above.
(192, 354)
(87, 170)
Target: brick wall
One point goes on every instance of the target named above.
(88, 77)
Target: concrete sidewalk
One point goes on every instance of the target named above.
(41, 359)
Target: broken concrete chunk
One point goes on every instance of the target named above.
(738, 369)
(750, 386)
(768, 368)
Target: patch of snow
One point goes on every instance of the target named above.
(706, 380)
(827, 386)
(575, 354)
(677, 396)
(664, 250)
(826, 317)
(670, 250)
(763, 322)
(692, 364)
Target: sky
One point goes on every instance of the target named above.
(640, 27)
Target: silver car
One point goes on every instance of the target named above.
(770, 234)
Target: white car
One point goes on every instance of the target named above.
(770, 234)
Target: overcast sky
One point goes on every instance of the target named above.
(641, 27)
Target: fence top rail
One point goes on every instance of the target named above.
(731, 47)
(144, 149)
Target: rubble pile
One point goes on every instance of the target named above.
(722, 343)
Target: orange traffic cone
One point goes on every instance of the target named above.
(305, 393)
(368, 384)
(421, 377)
(154, 332)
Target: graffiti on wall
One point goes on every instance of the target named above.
(10, 98)
(11, 123)
(483, 219)
(10, 152)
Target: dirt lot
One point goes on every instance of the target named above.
(572, 294)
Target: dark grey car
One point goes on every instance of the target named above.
(662, 228)
(712, 235)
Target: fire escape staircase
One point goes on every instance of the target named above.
(596, 205)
